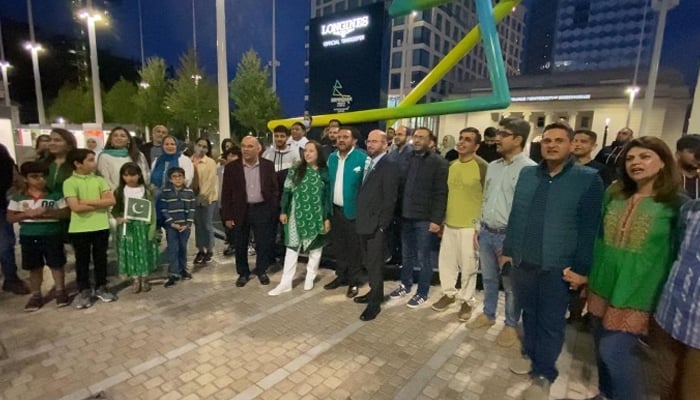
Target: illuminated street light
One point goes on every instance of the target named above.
(196, 78)
(632, 92)
(61, 120)
(144, 84)
(90, 18)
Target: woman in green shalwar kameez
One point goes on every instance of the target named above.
(305, 213)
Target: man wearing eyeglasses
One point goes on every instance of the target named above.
(501, 178)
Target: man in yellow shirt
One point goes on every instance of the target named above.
(465, 182)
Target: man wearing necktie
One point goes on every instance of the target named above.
(376, 201)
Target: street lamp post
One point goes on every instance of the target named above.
(34, 49)
(222, 70)
(662, 6)
(91, 17)
(4, 65)
(632, 92)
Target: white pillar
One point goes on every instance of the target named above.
(222, 71)
(95, 69)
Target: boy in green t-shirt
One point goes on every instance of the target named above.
(89, 199)
(39, 214)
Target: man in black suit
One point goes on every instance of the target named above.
(376, 201)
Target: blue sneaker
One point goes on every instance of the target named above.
(398, 292)
(416, 301)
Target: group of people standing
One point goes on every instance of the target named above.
(617, 233)
(68, 194)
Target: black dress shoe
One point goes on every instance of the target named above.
(364, 299)
(229, 251)
(241, 281)
(334, 284)
(370, 313)
(170, 282)
(352, 291)
(264, 279)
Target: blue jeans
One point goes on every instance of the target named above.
(617, 354)
(544, 297)
(7, 248)
(417, 245)
(177, 251)
(490, 247)
(203, 226)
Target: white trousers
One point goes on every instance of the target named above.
(457, 255)
(290, 266)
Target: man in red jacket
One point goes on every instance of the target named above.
(250, 201)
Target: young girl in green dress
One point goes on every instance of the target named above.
(137, 248)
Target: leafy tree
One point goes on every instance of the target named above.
(73, 103)
(254, 101)
(151, 93)
(119, 103)
(193, 102)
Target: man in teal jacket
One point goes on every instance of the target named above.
(346, 169)
(552, 227)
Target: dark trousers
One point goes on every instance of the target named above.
(373, 248)
(394, 240)
(346, 248)
(230, 234)
(618, 353)
(262, 221)
(418, 254)
(7, 248)
(87, 244)
(177, 251)
(544, 297)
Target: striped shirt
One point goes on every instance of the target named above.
(678, 312)
(177, 205)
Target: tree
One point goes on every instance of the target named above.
(254, 101)
(73, 103)
(151, 93)
(119, 103)
(193, 102)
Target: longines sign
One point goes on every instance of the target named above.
(344, 28)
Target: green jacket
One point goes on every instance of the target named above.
(356, 166)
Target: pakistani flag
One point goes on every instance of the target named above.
(137, 209)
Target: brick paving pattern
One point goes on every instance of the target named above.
(207, 339)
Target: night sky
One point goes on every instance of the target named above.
(168, 33)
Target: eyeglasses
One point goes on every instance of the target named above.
(504, 134)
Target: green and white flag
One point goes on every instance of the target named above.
(137, 209)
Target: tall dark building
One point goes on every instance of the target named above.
(587, 35)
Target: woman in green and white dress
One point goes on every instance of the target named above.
(305, 214)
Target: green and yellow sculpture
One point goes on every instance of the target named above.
(486, 31)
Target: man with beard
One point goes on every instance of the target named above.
(329, 142)
(610, 155)
(487, 150)
(687, 148)
(404, 149)
(376, 202)
(346, 169)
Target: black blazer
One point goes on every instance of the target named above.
(376, 199)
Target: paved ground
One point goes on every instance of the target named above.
(207, 339)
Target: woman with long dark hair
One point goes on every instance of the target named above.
(42, 147)
(120, 149)
(305, 214)
(62, 142)
(632, 258)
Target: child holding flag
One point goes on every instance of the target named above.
(135, 214)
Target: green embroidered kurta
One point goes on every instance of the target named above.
(307, 205)
(137, 250)
(634, 252)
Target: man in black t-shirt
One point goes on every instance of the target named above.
(582, 146)
(487, 149)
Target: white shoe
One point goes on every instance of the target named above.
(279, 290)
(309, 282)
